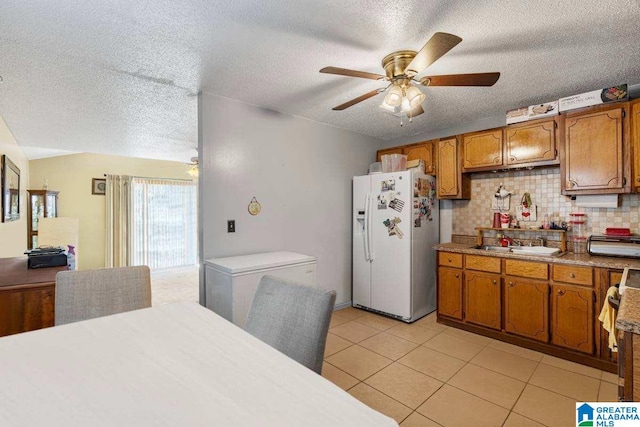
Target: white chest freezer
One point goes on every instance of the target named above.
(230, 283)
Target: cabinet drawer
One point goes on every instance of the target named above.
(573, 274)
(482, 263)
(533, 270)
(449, 259)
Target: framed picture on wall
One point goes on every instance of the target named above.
(10, 180)
(99, 186)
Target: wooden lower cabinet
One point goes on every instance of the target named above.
(482, 299)
(572, 317)
(26, 309)
(450, 292)
(526, 308)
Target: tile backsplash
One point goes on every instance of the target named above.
(544, 187)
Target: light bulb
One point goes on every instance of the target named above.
(405, 104)
(415, 96)
(394, 97)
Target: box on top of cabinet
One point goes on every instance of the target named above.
(532, 112)
(595, 97)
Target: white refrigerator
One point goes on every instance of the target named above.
(395, 225)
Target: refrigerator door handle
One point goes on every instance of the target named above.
(366, 228)
(369, 232)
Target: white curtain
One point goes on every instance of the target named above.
(164, 222)
(118, 221)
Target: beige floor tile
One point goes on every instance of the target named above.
(566, 383)
(488, 385)
(358, 362)
(452, 407)
(350, 313)
(517, 420)
(414, 333)
(505, 363)
(571, 366)
(377, 321)
(338, 377)
(548, 408)
(388, 345)
(336, 320)
(380, 402)
(433, 363)
(468, 336)
(354, 331)
(454, 346)
(608, 392)
(409, 387)
(417, 420)
(609, 377)
(518, 351)
(430, 321)
(335, 344)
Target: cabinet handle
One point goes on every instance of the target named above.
(457, 276)
(511, 284)
(561, 292)
(573, 276)
(513, 159)
(494, 282)
(449, 259)
(572, 183)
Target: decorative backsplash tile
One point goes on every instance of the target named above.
(544, 187)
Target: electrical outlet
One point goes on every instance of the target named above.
(231, 226)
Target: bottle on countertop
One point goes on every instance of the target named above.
(71, 258)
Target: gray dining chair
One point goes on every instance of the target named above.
(292, 318)
(86, 294)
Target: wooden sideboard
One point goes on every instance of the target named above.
(27, 296)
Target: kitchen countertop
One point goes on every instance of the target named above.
(629, 314)
(566, 258)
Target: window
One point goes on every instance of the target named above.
(164, 224)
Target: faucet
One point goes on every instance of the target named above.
(516, 243)
(539, 240)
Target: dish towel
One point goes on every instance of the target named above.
(608, 318)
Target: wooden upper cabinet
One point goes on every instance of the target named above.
(482, 150)
(635, 136)
(451, 183)
(531, 143)
(572, 317)
(394, 150)
(422, 151)
(596, 152)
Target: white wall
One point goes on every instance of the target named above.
(300, 171)
(13, 235)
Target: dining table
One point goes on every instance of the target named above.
(173, 364)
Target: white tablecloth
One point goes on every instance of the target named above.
(176, 364)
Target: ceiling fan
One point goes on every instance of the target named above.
(401, 69)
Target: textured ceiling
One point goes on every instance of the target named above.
(120, 77)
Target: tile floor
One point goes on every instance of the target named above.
(427, 374)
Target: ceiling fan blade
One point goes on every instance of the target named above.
(356, 100)
(351, 73)
(437, 46)
(475, 79)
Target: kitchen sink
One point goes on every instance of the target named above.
(494, 248)
(534, 250)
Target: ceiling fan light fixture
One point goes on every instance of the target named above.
(415, 96)
(394, 97)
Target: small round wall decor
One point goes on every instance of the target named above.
(254, 207)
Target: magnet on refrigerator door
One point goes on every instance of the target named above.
(396, 204)
(382, 201)
(392, 227)
(388, 185)
(417, 219)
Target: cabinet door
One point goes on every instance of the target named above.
(526, 308)
(572, 317)
(450, 292)
(594, 153)
(26, 309)
(635, 135)
(482, 299)
(451, 184)
(531, 143)
(394, 150)
(423, 151)
(482, 150)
